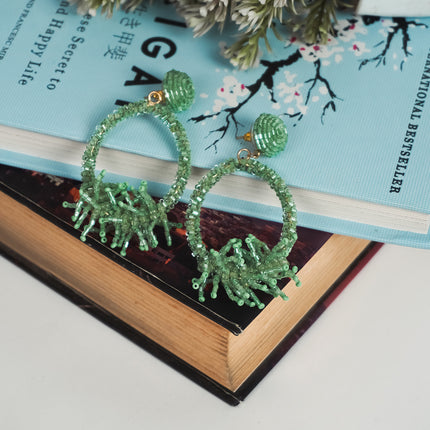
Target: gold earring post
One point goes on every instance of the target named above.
(246, 137)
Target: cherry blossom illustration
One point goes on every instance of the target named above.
(229, 93)
(294, 97)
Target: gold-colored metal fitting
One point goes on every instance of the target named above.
(155, 97)
(247, 137)
(248, 154)
(245, 153)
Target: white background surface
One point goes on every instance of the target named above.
(363, 365)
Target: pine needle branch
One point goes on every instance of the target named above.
(254, 18)
(318, 22)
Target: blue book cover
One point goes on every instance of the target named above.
(356, 108)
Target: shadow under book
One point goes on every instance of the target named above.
(147, 296)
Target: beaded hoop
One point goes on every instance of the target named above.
(123, 209)
(240, 270)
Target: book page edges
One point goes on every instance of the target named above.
(129, 165)
(401, 8)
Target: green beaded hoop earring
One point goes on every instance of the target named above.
(122, 209)
(241, 270)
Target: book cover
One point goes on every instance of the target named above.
(355, 108)
(171, 269)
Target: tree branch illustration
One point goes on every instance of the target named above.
(265, 80)
(319, 78)
(401, 26)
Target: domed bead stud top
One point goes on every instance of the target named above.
(269, 134)
(178, 90)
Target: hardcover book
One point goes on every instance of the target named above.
(147, 296)
(357, 159)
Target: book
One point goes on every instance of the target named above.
(147, 296)
(357, 160)
(394, 8)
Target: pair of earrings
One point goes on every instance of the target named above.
(240, 268)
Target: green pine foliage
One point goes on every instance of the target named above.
(106, 7)
(312, 20)
(317, 24)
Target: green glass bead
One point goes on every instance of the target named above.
(269, 134)
(178, 90)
